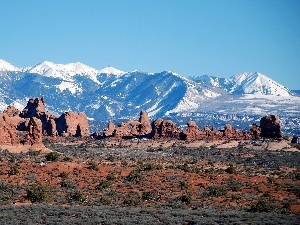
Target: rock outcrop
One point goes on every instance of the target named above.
(109, 132)
(164, 129)
(8, 130)
(270, 127)
(130, 129)
(72, 124)
(12, 111)
(35, 132)
(145, 125)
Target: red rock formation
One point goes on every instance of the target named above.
(8, 131)
(11, 111)
(35, 108)
(110, 129)
(255, 131)
(193, 132)
(51, 128)
(270, 127)
(145, 125)
(35, 132)
(130, 128)
(164, 129)
(73, 124)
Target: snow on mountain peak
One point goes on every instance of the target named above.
(256, 83)
(64, 71)
(111, 70)
(6, 66)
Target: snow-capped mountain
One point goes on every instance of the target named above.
(63, 71)
(246, 83)
(6, 66)
(109, 93)
(256, 83)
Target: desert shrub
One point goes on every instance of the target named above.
(186, 168)
(63, 175)
(134, 176)
(231, 169)
(131, 199)
(105, 200)
(150, 166)
(66, 183)
(93, 165)
(38, 193)
(103, 185)
(67, 159)
(3, 186)
(13, 170)
(233, 184)
(184, 185)
(34, 153)
(186, 198)
(265, 204)
(215, 191)
(295, 190)
(110, 177)
(149, 195)
(77, 196)
(52, 156)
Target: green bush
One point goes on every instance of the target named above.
(77, 196)
(13, 170)
(52, 156)
(186, 198)
(103, 185)
(131, 200)
(149, 195)
(184, 185)
(105, 200)
(265, 205)
(231, 169)
(93, 165)
(38, 193)
(134, 176)
(215, 191)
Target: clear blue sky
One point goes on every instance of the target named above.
(191, 37)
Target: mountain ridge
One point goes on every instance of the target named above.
(111, 93)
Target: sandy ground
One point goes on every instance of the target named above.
(24, 148)
(255, 145)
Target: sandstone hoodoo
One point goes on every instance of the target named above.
(8, 130)
(29, 126)
(270, 127)
(35, 133)
(130, 129)
(73, 124)
(164, 129)
(34, 121)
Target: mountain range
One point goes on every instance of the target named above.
(110, 93)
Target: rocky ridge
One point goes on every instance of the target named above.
(29, 126)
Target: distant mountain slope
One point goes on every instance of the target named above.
(110, 93)
(246, 83)
(106, 93)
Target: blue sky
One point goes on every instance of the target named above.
(190, 37)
